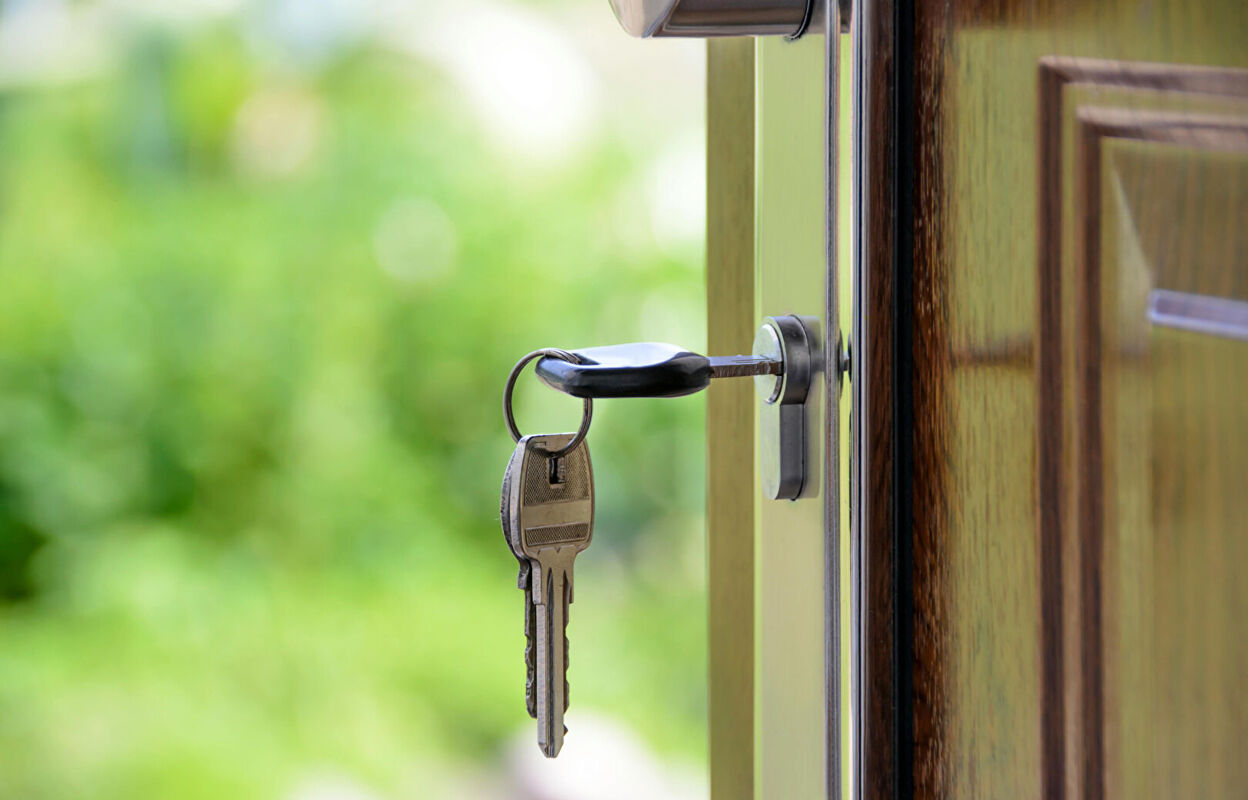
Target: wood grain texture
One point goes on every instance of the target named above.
(730, 416)
(1027, 649)
(1139, 492)
(1072, 663)
(873, 561)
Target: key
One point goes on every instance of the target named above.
(523, 581)
(552, 516)
(647, 369)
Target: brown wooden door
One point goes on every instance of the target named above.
(1051, 384)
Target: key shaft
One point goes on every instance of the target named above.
(744, 366)
(552, 653)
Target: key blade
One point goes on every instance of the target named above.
(552, 655)
(744, 366)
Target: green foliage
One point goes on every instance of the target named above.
(249, 476)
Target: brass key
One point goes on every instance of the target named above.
(551, 519)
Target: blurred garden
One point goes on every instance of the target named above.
(264, 268)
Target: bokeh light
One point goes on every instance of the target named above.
(264, 267)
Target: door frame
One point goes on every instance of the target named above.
(731, 495)
(881, 372)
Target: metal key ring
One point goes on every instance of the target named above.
(805, 23)
(586, 416)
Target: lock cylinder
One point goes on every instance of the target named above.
(783, 456)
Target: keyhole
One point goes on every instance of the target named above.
(557, 473)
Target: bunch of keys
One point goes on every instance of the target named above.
(547, 511)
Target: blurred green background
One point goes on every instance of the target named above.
(263, 270)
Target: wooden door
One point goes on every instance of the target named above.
(1051, 381)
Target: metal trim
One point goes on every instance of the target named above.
(857, 441)
(1199, 313)
(707, 18)
(833, 25)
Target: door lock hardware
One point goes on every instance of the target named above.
(707, 18)
(783, 452)
(786, 359)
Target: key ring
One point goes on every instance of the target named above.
(805, 23)
(586, 416)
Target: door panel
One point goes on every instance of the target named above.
(1142, 174)
(1052, 508)
(1159, 433)
(792, 700)
(774, 581)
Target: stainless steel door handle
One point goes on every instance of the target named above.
(703, 18)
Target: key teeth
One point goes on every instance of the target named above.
(530, 683)
(530, 655)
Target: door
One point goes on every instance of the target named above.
(1051, 360)
(1049, 438)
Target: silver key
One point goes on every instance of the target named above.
(523, 580)
(552, 517)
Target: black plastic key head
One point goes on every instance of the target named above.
(642, 369)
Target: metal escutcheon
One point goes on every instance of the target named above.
(782, 413)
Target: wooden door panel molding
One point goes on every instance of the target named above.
(1075, 495)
